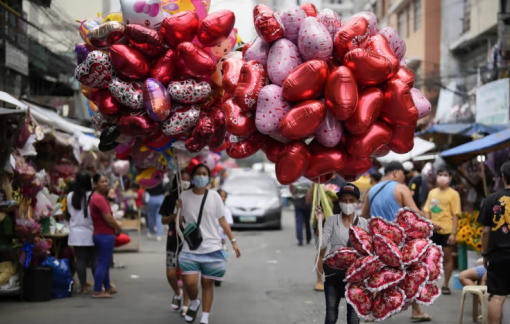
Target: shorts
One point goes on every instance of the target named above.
(440, 239)
(498, 281)
(172, 260)
(211, 265)
(480, 271)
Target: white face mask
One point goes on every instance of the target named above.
(348, 209)
(185, 185)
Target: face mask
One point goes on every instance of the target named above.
(443, 180)
(348, 209)
(201, 181)
(185, 185)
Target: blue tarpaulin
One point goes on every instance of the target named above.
(490, 143)
(467, 130)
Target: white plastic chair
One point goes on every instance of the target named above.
(481, 293)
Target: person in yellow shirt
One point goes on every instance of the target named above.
(443, 209)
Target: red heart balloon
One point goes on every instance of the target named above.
(428, 294)
(189, 91)
(129, 62)
(159, 141)
(218, 117)
(405, 74)
(146, 40)
(137, 124)
(128, 94)
(306, 82)
(243, 147)
(96, 71)
(354, 168)
(302, 120)
(380, 45)
(324, 160)
(179, 28)
(414, 281)
(272, 148)
(364, 145)
(106, 104)
(107, 34)
(383, 150)
(342, 258)
(434, 261)
(402, 140)
(341, 93)
(201, 135)
(143, 157)
(388, 251)
(309, 9)
(414, 251)
(194, 61)
(260, 8)
(163, 69)
(387, 303)
(182, 118)
(378, 225)
(369, 68)
(238, 123)
(269, 27)
(415, 225)
(252, 79)
(353, 34)
(385, 278)
(294, 153)
(216, 27)
(231, 73)
(361, 240)
(322, 179)
(398, 105)
(361, 269)
(359, 298)
(369, 107)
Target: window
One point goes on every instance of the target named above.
(400, 23)
(408, 20)
(417, 14)
(466, 21)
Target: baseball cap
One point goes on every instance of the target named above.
(408, 166)
(393, 166)
(349, 189)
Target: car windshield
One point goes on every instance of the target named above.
(251, 186)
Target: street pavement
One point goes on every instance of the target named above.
(271, 283)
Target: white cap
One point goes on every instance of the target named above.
(408, 166)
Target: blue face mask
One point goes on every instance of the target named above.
(200, 181)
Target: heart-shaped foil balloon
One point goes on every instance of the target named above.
(163, 69)
(402, 139)
(282, 59)
(354, 168)
(106, 104)
(100, 121)
(127, 93)
(146, 40)
(398, 106)
(314, 41)
(359, 298)
(96, 71)
(369, 68)
(179, 28)
(330, 131)
(341, 93)
(422, 104)
(129, 62)
(220, 129)
(372, 21)
(415, 280)
(303, 119)
(365, 115)
(387, 303)
(361, 269)
(385, 278)
(243, 147)
(215, 28)
(331, 20)
(181, 119)
(361, 240)
(396, 43)
(107, 34)
(414, 225)
(381, 151)
(306, 82)
(342, 258)
(143, 157)
(156, 100)
(194, 61)
(310, 9)
(272, 148)
(364, 145)
(292, 19)
(137, 124)
(379, 225)
(325, 160)
(189, 91)
(387, 251)
(257, 51)
(252, 79)
(271, 107)
(201, 135)
(434, 261)
(405, 74)
(428, 294)
(231, 69)
(238, 122)
(269, 27)
(353, 34)
(414, 251)
(297, 154)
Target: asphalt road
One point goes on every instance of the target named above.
(271, 283)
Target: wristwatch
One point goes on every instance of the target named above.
(233, 241)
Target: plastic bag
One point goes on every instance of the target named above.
(62, 278)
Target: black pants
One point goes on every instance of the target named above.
(303, 218)
(334, 290)
(85, 256)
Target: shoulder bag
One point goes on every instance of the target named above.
(192, 233)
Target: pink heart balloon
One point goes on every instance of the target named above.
(385, 278)
(271, 107)
(428, 294)
(415, 280)
(342, 258)
(361, 269)
(292, 19)
(258, 51)
(361, 240)
(396, 43)
(378, 225)
(422, 104)
(414, 251)
(434, 261)
(415, 226)
(331, 20)
(330, 131)
(387, 251)
(359, 298)
(314, 40)
(283, 58)
(372, 21)
(387, 303)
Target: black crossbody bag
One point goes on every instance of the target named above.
(192, 233)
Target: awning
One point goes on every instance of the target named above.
(472, 149)
(467, 130)
(51, 118)
(421, 146)
(4, 96)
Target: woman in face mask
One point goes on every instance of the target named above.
(173, 245)
(336, 233)
(204, 256)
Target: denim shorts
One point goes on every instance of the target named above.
(480, 271)
(211, 265)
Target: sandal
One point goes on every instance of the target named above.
(176, 302)
(445, 290)
(102, 296)
(184, 310)
(192, 314)
(319, 287)
(420, 319)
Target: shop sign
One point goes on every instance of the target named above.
(15, 59)
(492, 102)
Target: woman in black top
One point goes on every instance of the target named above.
(173, 247)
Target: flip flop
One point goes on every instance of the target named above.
(319, 287)
(420, 319)
(192, 313)
(102, 296)
(446, 291)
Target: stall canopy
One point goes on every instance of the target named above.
(421, 146)
(51, 118)
(472, 149)
(4, 96)
(467, 130)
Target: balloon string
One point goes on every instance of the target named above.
(319, 228)
(180, 235)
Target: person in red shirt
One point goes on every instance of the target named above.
(105, 230)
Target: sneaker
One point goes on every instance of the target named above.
(149, 235)
(176, 302)
(158, 238)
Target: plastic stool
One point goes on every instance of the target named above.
(456, 282)
(481, 293)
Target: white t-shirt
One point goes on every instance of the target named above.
(213, 210)
(80, 228)
(230, 221)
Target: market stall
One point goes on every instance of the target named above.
(421, 147)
